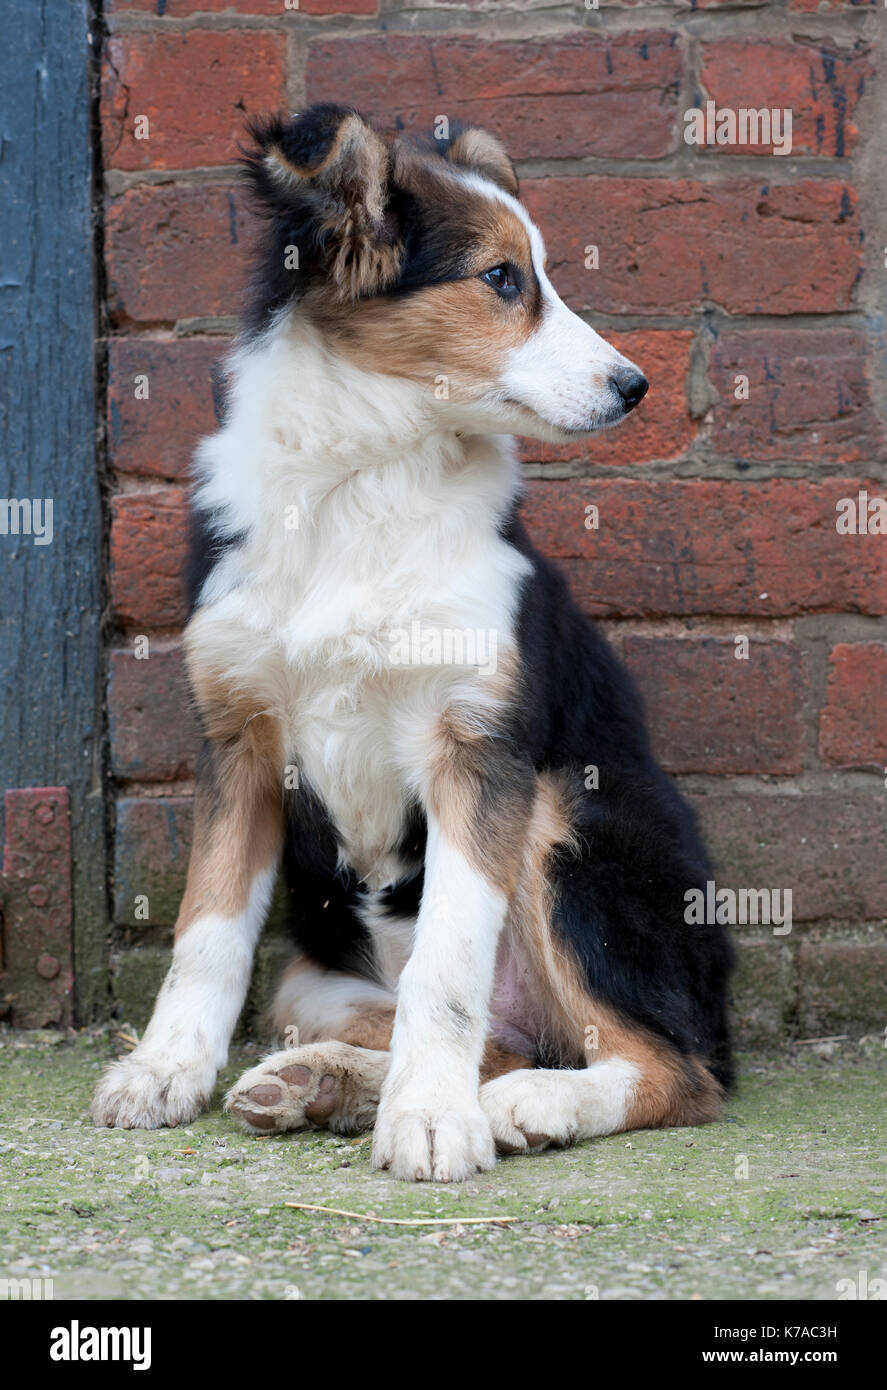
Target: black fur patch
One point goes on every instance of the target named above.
(321, 898)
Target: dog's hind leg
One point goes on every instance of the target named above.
(639, 1086)
(616, 1075)
(238, 818)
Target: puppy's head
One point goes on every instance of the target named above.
(422, 263)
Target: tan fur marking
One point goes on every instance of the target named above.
(238, 809)
(370, 1028)
(548, 831)
(459, 329)
(672, 1090)
(480, 793)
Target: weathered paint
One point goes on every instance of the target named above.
(50, 593)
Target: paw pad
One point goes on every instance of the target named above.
(284, 1097)
(324, 1103)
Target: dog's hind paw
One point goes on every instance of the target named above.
(323, 1085)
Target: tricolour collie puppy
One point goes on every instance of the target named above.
(401, 702)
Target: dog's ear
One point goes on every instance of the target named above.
(478, 149)
(324, 174)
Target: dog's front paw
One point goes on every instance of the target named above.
(143, 1094)
(439, 1144)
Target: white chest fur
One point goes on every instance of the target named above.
(371, 587)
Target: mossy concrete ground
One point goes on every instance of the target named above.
(783, 1198)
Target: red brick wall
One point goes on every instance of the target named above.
(717, 514)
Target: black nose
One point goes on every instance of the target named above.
(631, 385)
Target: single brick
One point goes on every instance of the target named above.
(153, 733)
(674, 245)
(828, 847)
(660, 428)
(560, 96)
(156, 436)
(180, 100)
(699, 546)
(843, 987)
(853, 723)
(790, 394)
(709, 712)
(763, 991)
(148, 553)
(175, 252)
(819, 86)
(151, 847)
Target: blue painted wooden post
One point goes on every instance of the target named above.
(51, 719)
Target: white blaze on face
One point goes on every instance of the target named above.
(563, 371)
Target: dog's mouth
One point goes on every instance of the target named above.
(554, 432)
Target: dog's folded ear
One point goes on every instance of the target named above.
(324, 175)
(479, 150)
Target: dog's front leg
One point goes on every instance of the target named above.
(430, 1124)
(169, 1077)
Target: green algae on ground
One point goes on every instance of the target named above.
(783, 1198)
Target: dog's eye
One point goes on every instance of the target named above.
(503, 279)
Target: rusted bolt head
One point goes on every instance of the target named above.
(48, 967)
(45, 813)
(38, 895)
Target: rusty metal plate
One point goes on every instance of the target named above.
(37, 979)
